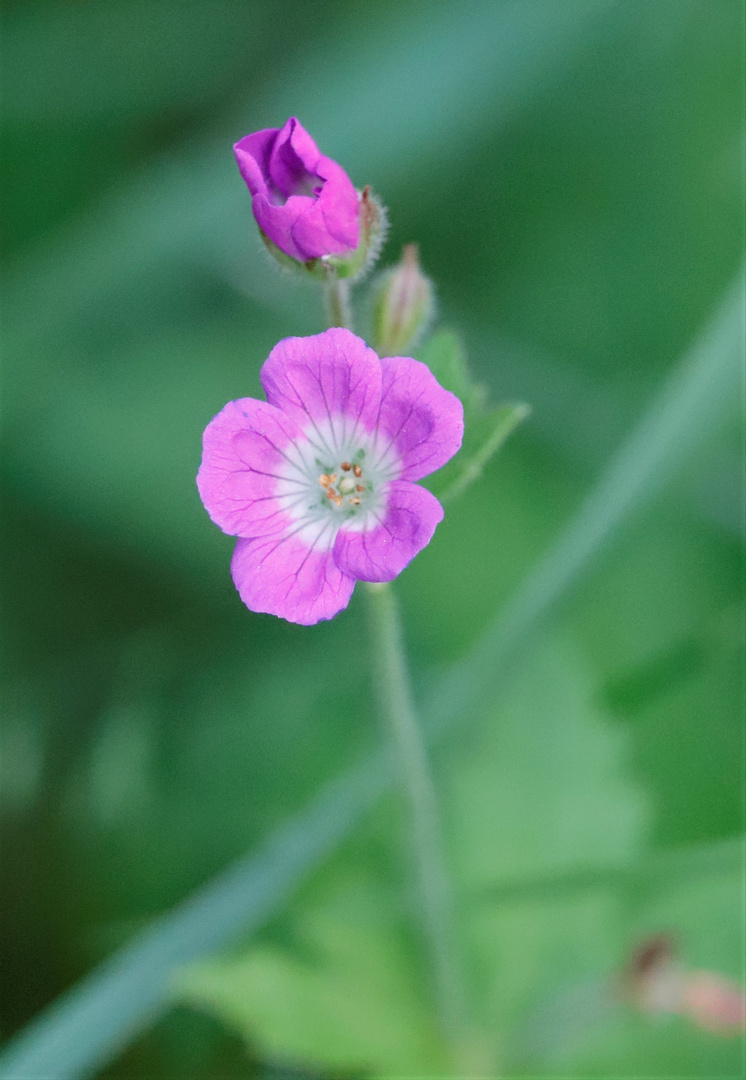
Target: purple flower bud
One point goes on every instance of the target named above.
(303, 202)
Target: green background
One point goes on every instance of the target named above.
(573, 172)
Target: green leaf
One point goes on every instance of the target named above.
(348, 995)
(444, 355)
(485, 429)
(483, 437)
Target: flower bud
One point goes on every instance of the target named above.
(304, 203)
(403, 305)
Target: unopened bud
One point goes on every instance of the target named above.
(373, 225)
(403, 305)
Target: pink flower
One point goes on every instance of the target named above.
(303, 202)
(317, 482)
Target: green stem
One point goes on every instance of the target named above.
(395, 701)
(339, 312)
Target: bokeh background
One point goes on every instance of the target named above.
(573, 172)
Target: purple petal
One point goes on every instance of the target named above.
(289, 577)
(326, 378)
(241, 462)
(252, 154)
(294, 159)
(330, 225)
(278, 223)
(382, 552)
(419, 420)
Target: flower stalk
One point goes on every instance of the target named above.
(392, 688)
(339, 310)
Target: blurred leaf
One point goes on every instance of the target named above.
(348, 998)
(485, 429)
(483, 437)
(444, 355)
(542, 787)
(704, 913)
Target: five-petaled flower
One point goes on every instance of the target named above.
(318, 481)
(303, 202)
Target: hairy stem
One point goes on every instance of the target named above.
(339, 312)
(391, 682)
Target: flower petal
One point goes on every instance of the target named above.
(294, 159)
(382, 552)
(293, 576)
(246, 476)
(330, 225)
(278, 222)
(252, 154)
(420, 422)
(330, 380)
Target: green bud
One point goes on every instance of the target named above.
(402, 306)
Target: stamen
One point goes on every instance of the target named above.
(324, 480)
(354, 501)
(357, 470)
(359, 487)
(338, 500)
(346, 466)
(331, 493)
(333, 478)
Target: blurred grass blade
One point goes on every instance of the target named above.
(703, 385)
(95, 1020)
(87, 1026)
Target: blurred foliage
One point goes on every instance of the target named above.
(485, 428)
(573, 174)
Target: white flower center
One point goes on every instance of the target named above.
(336, 476)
